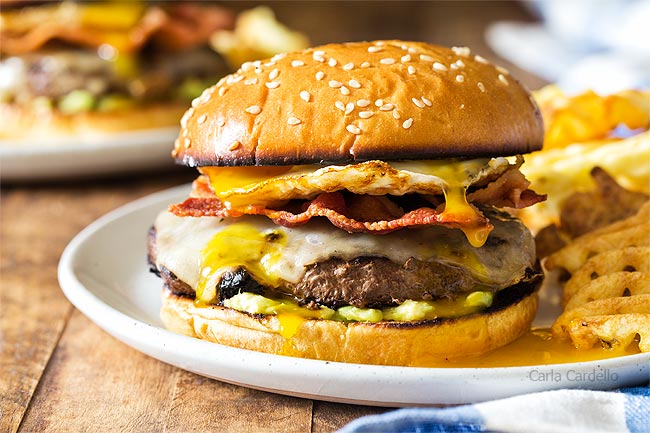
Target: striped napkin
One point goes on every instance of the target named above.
(561, 411)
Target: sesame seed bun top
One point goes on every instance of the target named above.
(338, 103)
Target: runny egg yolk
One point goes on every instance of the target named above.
(239, 245)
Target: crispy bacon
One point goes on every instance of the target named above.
(333, 207)
(509, 190)
(366, 213)
(173, 27)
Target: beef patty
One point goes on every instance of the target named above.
(363, 282)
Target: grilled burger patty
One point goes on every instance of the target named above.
(363, 282)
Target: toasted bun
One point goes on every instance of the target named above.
(422, 343)
(360, 101)
(20, 123)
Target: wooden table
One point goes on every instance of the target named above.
(60, 372)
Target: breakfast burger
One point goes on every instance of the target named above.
(71, 68)
(350, 207)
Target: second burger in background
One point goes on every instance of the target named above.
(348, 207)
(86, 68)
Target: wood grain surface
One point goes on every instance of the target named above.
(59, 372)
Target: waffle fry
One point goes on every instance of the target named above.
(575, 255)
(628, 259)
(601, 307)
(610, 286)
(611, 330)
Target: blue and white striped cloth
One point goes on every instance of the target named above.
(562, 411)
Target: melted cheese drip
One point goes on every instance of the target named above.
(240, 245)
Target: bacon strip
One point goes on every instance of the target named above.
(366, 213)
(509, 190)
(174, 27)
(333, 207)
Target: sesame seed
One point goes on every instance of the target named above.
(503, 79)
(396, 114)
(254, 109)
(407, 123)
(269, 64)
(481, 86)
(222, 91)
(232, 79)
(363, 102)
(349, 108)
(387, 61)
(353, 129)
(293, 121)
(257, 63)
(279, 56)
(202, 118)
(189, 113)
(365, 65)
(305, 96)
(319, 53)
(480, 59)
(462, 106)
(461, 51)
(335, 84)
(246, 66)
(460, 78)
(187, 143)
(250, 81)
(272, 84)
(417, 102)
(319, 59)
(374, 49)
(274, 74)
(411, 70)
(235, 144)
(320, 75)
(406, 58)
(354, 84)
(297, 63)
(332, 62)
(348, 66)
(427, 102)
(426, 58)
(221, 123)
(503, 70)
(387, 107)
(340, 105)
(344, 90)
(379, 102)
(439, 66)
(380, 43)
(412, 50)
(365, 114)
(460, 63)
(453, 66)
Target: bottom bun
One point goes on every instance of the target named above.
(21, 123)
(420, 343)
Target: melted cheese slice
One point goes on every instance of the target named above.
(198, 250)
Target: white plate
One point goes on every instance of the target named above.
(88, 156)
(103, 272)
